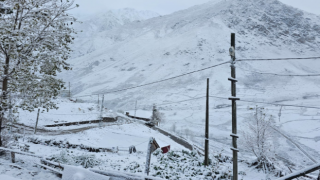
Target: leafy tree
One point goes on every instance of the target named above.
(35, 36)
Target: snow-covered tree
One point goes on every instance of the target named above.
(157, 117)
(258, 139)
(34, 45)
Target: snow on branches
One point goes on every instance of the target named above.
(258, 139)
(35, 38)
(34, 46)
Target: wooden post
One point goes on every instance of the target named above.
(234, 108)
(302, 172)
(206, 156)
(152, 146)
(35, 128)
(148, 156)
(13, 157)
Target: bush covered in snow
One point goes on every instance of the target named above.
(189, 165)
(258, 139)
(134, 167)
(85, 160)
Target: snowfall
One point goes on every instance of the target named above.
(127, 48)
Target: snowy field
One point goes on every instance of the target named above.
(186, 123)
(68, 112)
(300, 124)
(131, 57)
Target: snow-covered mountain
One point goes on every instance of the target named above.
(140, 52)
(144, 51)
(88, 39)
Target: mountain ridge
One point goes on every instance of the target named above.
(195, 38)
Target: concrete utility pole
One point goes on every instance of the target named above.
(206, 149)
(101, 118)
(69, 91)
(234, 107)
(135, 109)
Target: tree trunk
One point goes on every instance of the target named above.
(1, 117)
(4, 95)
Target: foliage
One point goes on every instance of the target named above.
(85, 160)
(189, 165)
(258, 139)
(34, 47)
(6, 138)
(157, 116)
(134, 167)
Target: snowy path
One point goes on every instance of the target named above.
(40, 131)
(174, 138)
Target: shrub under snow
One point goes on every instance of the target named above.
(189, 165)
(85, 160)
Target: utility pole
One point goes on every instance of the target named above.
(135, 109)
(69, 91)
(35, 128)
(101, 118)
(98, 100)
(233, 98)
(206, 156)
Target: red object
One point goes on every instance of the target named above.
(165, 149)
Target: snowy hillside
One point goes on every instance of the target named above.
(193, 39)
(88, 38)
(149, 50)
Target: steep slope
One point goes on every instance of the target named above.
(88, 39)
(141, 52)
(196, 38)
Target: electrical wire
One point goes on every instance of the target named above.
(203, 70)
(174, 77)
(275, 74)
(180, 101)
(277, 59)
(259, 102)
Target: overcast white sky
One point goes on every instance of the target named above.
(168, 6)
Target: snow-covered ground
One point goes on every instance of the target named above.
(134, 50)
(189, 124)
(68, 111)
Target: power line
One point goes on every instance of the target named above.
(275, 74)
(159, 80)
(181, 101)
(203, 70)
(278, 59)
(275, 104)
(259, 102)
